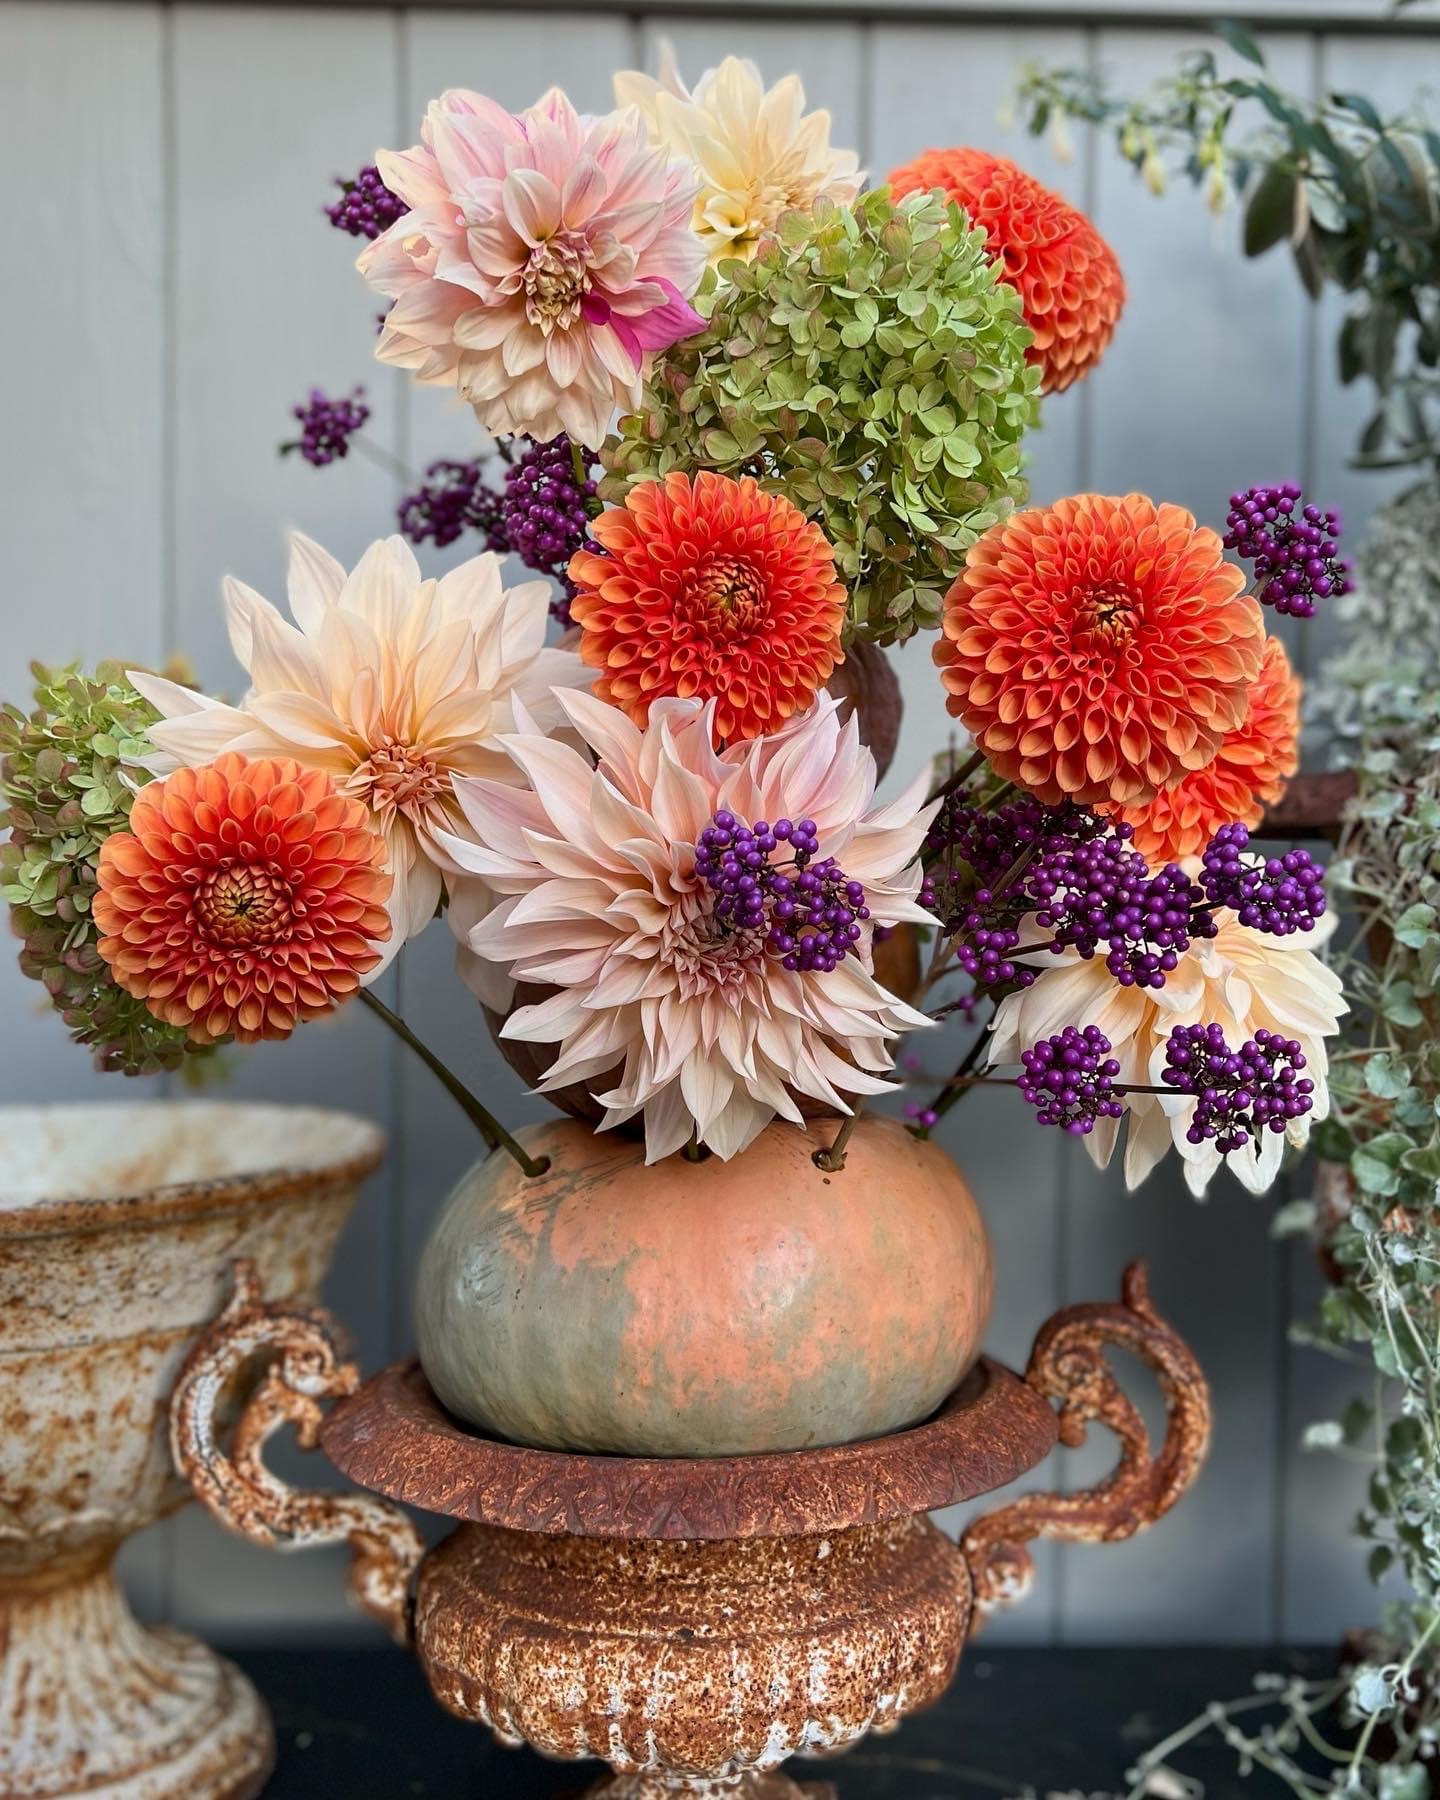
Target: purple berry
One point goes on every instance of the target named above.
(326, 426)
(1294, 556)
(366, 207)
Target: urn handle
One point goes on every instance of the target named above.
(1068, 1365)
(307, 1366)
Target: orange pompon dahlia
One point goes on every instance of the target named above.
(709, 589)
(1250, 772)
(1070, 286)
(245, 897)
(1097, 649)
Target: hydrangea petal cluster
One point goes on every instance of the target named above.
(1069, 280)
(1294, 547)
(1279, 895)
(326, 426)
(709, 588)
(1241, 981)
(245, 897)
(758, 153)
(453, 499)
(545, 255)
(1069, 1078)
(1098, 649)
(883, 390)
(366, 207)
(1239, 1094)
(390, 683)
(1249, 772)
(657, 1001)
(811, 912)
(67, 781)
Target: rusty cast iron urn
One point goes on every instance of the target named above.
(118, 1226)
(694, 1623)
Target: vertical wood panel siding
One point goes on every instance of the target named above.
(173, 290)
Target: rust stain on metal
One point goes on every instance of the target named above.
(1068, 1364)
(309, 1368)
(118, 1223)
(697, 1661)
(395, 1438)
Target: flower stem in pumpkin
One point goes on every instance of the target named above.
(489, 1127)
(833, 1159)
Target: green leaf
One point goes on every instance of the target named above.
(1415, 925)
(1270, 214)
(1362, 109)
(1240, 41)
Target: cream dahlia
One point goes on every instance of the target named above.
(389, 683)
(544, 256)
(665, 1000)
(758, 152)
(1241, 980)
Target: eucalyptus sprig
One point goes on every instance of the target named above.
(1355, 195)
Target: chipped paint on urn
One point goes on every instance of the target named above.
(705, 1309)
(552, 1641)
(118, 1227)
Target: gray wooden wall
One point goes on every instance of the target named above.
(170, 289)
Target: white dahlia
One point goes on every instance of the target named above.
(1241, 980)
(758, 154)
(659, 1004)
(390, 683)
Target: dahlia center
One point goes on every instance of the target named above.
(706, 953)
(730, 594)
(397, 777)
(1107, 612)
(556, 280)
(244, 906)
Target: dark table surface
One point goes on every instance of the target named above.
(1017, 1725)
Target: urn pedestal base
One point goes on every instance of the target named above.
(94, 1704)
(693, 1622)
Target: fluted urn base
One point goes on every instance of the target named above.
(94, 1704)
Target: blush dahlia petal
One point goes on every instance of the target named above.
(1069, 282)
(246, 896)
(1250, 771)
(1098, 649)
(709, 589)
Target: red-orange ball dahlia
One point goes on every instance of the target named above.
(1070, 286)
(709, 588)
(1249, 772)
(245, 897)
(1099, 649)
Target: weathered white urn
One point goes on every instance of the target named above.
(119, 1225)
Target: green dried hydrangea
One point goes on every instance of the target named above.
(870, 365)
(64, 789)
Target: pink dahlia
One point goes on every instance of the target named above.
(667, 999)
(545, 255)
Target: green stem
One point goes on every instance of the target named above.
(489, 1127)
(595, 506)
(954, 1087)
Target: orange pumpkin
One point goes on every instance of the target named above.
(704, 1309)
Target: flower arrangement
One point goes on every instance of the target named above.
(746, 416)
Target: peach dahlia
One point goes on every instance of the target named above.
(1099, 649)
(1250, 771)
(709, 589)
(246, 897)
(1070, 286)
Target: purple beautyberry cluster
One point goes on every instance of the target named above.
(545, 510)
(326, 426)
(811, 912)
(1075, 876)
(1282, 895)
(1070, 1080)
(1239, 1094)
(453, 500)
(366, 207)
(1292, 546)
